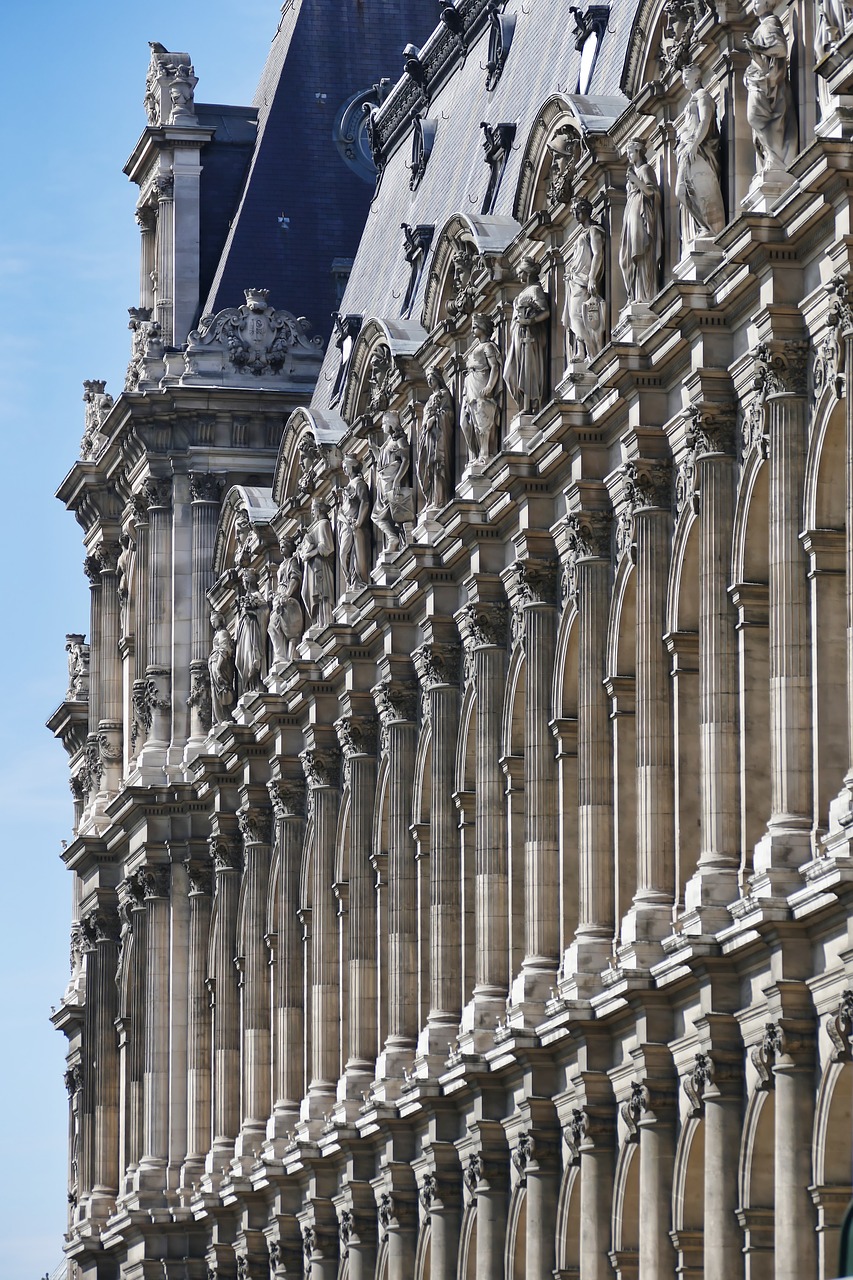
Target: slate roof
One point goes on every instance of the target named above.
(323, 52)
(542, 61)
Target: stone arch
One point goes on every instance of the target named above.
(825, 496)
(682, 638)
(564, 701)
(467, 1262)
(423, 1251)
(402, 338)
(625, 1222)
(382, 1259)
(620, 681)
(515, 1255)
(380, 854)
(465, 787)
(326, 428)
(688, 1197)
(259, 504)
(756, 1184)
(641, 56)
(568, 1224)
(512, 738)
(487, 236)
(554, 115)
(831, 1189)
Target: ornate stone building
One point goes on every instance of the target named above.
(462, 755)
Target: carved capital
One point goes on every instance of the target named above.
(483, 625)
(322, 768)
(287, 796)
(386, 1212)
(226, 857)
(588, 537)
(255, 825)
(347, 1231)
(473, 1172)
(358, 736)
(780, 368)
(765, 1054)
(106, 553)
(396, 701)
(200, 697)
(74, 1079)
(101, 924)
(698, 1081)
(92, 570)
(711, 430)
(199, 875)
(205, 487)
(437, 664)
(532, 582)
(428, 1192)
(633, 1110)
(164, 186)
(648, 484)
(155, 879)
(157, 491)
(522, 1154)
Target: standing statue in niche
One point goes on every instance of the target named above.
(697, 180)
(480, 406)
(78, 668)
(316, 551)
(285, 626)
(251, 651)
(770, 110)
(220, 666)
(524, 370)
(583, 313)
(435, 443)
(834, 19)
(393, 507)
(642, 232)
(353, 529)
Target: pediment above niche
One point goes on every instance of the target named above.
(252, 345)
(466, 246)
(381, 356)
(244, 527)
(308, 456)
(665, 37)
(562, 137)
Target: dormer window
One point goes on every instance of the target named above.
(590, 26)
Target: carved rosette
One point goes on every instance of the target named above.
(633, 1110)
(226, 857)
(697, 1081)
(588, 537)
(205, 487)
(780, 368)
(255, 825)
(199, 876)
(287, 796)
(839, 1028)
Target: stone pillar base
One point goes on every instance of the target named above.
(837, 118)
(583, 964)
(766, 190)
(521, 432)
(781, 852)
(699, 257)
(530, 992)
(575, 382)
(474, 484)
(385, 572)
(635, 319)
(427, 531)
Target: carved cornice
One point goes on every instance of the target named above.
(322, 767)
(226, 857)
(199, 875)
(780, 368)
(205, 487)
(255, 825)
(287, 796)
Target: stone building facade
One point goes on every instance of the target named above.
(462, 753)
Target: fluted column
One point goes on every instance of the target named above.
(486, 1175)
(110, 674)
(714, 883)
(142, 589)
(591, 1133)
(396, 701)
(358, 738)
(256, 830)
(287, 795)
(589, 546)
(650, 1116)
(846, 325)
(156, 710)
(322, 772)
(156, 881)
(441, 1198)
(100, 1063)
(91, 773)
(647, 491)
(146, 220)
(531, 587)
(133, 891)
(715, 1089)
(205, 492)
(536, 1157)
(225, 1000)
(781, 376)
(164, 264)
(438, 669)
(200, 878)
(483, 627)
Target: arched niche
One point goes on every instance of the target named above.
(642, 62)
(825, 496)
(482, 240)
(259, 505)
(831, 1189)
(568, 1224)
(309, 445)
(555, 120)
(423, 1252)
(756, 1183)
(688, 1196)
(382, 356)
(515, 1263)
(625, 1221)
(467, 1268)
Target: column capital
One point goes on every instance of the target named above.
(785, 1046)
(157, 491)
(155, 879)
(780, 367)
(322, 766)
(483, 624)
(100, 924)
(357, 735)
(711, 428)
(205, 487)
(106, 554)
(226, 855)
(647, 484)
(199, 875)
(287, 796)
(396, 700)
(255, 824)
(437, 664)
(587, 535)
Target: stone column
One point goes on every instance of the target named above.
(357, 1229)
(532, 587)
(94, 766)
(287, 794)
(396, 701)
(157, 702)
(155, 880)
(781, 376)
(536, 1157)
(398, 1226)
(486, 1175)
(100, 1061)
(483, 627)
(438, 668)
(592, 1136)
(714, 883)
(441, 1199)
(110, 708)
(650, 1115)
(715, 1086)
(205, 493)
(589, 546)
(164, 264)
(134, 1064)
(648, 497)
(146, 220)
(200, 877)
(256, 830)
(321, 764)
(358, 738)
(142, 588)
(225, 1001)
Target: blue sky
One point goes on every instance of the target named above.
(71, 101)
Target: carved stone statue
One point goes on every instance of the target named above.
(435, 442)
(583, 314)
(98, 403)
(565, 149)
(770, 110)
(78, 668)
(220, 666)
(461, 302)
(286, 623)
(834, 21)
(480, 390)
(123, 567)
(182, 83)
(524, 370)
(393, 507)
(697, 180)
(251, 649)
(243, 539)
(316, 551)
(642, 231)
(353, 528)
